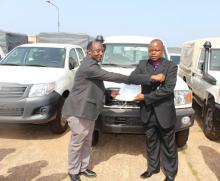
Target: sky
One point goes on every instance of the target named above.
(171, 20)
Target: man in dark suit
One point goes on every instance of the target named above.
(83, 106)
(158, 110)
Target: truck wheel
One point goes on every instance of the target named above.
(59, 124)
(182, 137)
(95, 137)
(209, 122)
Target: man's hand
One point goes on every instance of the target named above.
(158, 78)
(139, 97)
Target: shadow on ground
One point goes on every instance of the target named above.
(212, 159)
(5, 152)
(27, 132)
(29, 171)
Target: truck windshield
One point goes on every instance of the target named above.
(124, 54)
(215, 57)
(36, 56)
(175, 59)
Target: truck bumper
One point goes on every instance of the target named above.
(113, 120)
(30, 110)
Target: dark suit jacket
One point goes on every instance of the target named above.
(87, 96)
(158, 96)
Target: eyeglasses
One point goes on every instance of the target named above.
(98, 50)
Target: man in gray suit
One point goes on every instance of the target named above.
(83, 106)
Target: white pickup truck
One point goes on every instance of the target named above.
(200, 68)
(35, 79)
(122, 54)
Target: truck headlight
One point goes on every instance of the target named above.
(182, 97)
(41, 89)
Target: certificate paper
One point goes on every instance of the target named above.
(128, 92)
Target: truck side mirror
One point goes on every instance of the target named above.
(72, 63)
(209, 79)
(206, 76)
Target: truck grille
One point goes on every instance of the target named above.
(122, 104)
(10, 92)
(11, 111)
(124, 121)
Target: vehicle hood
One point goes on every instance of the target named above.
(180, 84)
(29, 75)
(121, 70)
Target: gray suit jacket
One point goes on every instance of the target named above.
(159, 97)
(87, 96)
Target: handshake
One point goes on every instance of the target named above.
(158, 78)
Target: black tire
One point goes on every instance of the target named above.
(182, 137)
(209, 121)
(59, 124)
(95, 137)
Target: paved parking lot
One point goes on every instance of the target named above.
(31, 152)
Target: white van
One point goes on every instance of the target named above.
(200, 68)
(122, 54)
(35, 79)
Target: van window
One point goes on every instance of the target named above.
(80, 53)
(201, 59)
(187, 55)
(73, 57)
(215, 57)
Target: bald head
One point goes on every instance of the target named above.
(156, 50)
(156, 41)
(95, 50)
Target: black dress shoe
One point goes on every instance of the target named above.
(74, 177)
(169, 178)
(88, 173)
(148, 174)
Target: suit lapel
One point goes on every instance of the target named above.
(162, 67)
(148, 68)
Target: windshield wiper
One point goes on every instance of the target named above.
(132, 65)
(112, 64)
(11, 64)
(35, 65)
(120, 65)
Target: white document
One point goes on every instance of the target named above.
(128, 92)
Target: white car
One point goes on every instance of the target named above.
(122, 54)
(35, 79)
